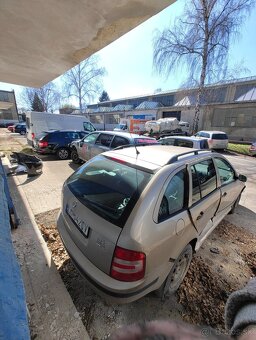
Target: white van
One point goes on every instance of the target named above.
(38, 122)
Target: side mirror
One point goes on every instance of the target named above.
(242, 178)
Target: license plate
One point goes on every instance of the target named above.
(81, 225)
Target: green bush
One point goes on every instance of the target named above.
(240, 148)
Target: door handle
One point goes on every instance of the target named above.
(200, 215)
(225, 194)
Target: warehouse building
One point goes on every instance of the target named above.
(229, 106)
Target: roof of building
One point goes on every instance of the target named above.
(147, 105)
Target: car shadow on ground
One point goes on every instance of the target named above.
(244, 218)
(74, 166)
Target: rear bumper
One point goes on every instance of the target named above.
(112, 290)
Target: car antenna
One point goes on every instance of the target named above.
(137, 151)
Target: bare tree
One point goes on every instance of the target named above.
(48, 95)
(84, 81)
(199, 40)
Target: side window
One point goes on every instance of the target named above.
(184, 143)
(174, 197)
(104, 139)
(72, 135)
(204, 179)
(226, 172)
(88, 127)
(53, 137)
(168, 141)
(91, 138)
(118, 141)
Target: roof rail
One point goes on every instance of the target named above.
(132, 145)
(175, 158)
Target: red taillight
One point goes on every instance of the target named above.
(33, 135)
(43, 144)
(210, 141)
(128, 265)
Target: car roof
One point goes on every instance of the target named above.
(52, 131)
(214, 131)
(194, 139)
(143, 156)
(123, 134)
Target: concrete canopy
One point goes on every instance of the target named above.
(40, 39)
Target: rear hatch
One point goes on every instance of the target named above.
(97, 200)
(42, 139)
(219, 140)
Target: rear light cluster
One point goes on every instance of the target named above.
(43, 144)
(33, 135)
(210, 141)
(128, 265)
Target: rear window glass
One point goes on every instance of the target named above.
(43, 135)
(145, 141)
(108, 188)
(219, 136)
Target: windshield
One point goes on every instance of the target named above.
(108, 187)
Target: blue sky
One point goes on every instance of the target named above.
(128, 60)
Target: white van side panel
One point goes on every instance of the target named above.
(37, 122)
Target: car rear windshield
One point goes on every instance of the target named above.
(43, 135)
(219, 136)
(108, 187)
(145, 141)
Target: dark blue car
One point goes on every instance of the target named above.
(57, 142)
(20, 128)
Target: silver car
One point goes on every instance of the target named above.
(186, 142)
(252, 149)
(132, 218)
(216, 139)
(101, 141)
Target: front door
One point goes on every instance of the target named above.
(205, 196)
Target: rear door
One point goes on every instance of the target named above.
(101, 144)
(204, 194)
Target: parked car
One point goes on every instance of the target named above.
(132, 218)
(216, 139)
(101, 141)
(252, 149)
(10, 128)
(187, 142)
(57, 142)
(20, 128)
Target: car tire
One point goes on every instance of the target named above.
(74, 157)
(22, 133)
(177, 273)
(63, 153)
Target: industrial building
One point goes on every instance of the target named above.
(228, 106)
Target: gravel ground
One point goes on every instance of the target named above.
(224, 263)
